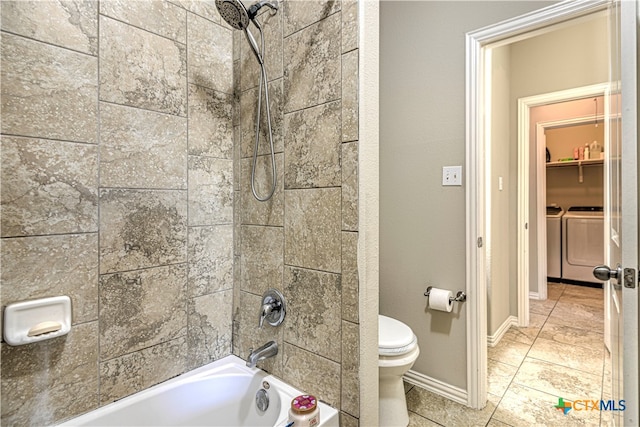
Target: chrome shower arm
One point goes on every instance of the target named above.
(253, 10)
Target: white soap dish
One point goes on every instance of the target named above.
(37, 320)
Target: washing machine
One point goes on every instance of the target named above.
(554, 242)
(582, 242)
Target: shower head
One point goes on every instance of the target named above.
(234, 12)
(236, 15)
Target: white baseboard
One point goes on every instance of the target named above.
(493, 340)
(436, 386)
(534, 295)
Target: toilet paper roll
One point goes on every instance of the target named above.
(441, 299)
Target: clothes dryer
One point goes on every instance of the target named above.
(554, 242)
(582, 242)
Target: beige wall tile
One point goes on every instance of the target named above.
(48, 187)
(350, 186)
(350, 289)
(350, 384)
(142, 308)
(50, 91)
(252, 337)
(313, 311)
(53, 379)
(136, 371)
(160, 17)
(312, 217)
(210, 255)
(312, 153)
(144, 65)
(238, 37)
(312, 71)
(210, 191)
(205, 8)
(272, 30)
(302, 13)
(209, 330)
(210, 65)
(349, 25)
(48, 266)
(210, 123)
(236, 156)
(270, 212)
(312, 228)
(142, 149)
(142, 228)
(248, 109)
(312, 374)
(141, 69)
(347, 420)
(76, 22)
(261, 258)
(236, 223)
(47, 91)
(350, 96)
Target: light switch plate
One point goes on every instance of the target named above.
(452, 175)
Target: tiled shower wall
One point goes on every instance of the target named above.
(119, 163)
(303, 241)
(117, 190)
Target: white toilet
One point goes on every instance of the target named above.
(397, 351)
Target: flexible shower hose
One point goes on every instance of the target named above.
(263, 81)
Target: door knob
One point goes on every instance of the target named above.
(604, 273)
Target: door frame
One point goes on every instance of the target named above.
(525, 167)
(505, 32)
(630, 17)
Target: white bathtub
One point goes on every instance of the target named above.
(222, 393)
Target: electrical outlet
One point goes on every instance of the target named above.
(452, 175)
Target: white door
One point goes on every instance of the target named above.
(621, 216)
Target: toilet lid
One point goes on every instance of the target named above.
(394, 337)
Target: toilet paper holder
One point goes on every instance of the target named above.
(460, 296)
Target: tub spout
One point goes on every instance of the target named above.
(270, 349)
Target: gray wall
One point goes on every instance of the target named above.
(422, 116)
(125, 144)
(497, 246)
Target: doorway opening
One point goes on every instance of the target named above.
(538, 114)
(486, 182)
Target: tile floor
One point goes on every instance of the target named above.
(560, 354)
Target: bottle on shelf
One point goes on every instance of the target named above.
(586, 152)
(595, 150)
